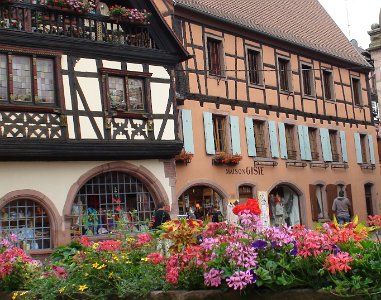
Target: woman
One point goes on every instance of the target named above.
(160, 216)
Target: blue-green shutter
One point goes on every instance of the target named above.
(209, 135)
(358, 147)
(250, 137)
(186, 116)
(282, 140)
(371, 149)
(326, 144)
(307, 145)
(234, 131)
(343, 143)
(301, 142)
(273, 139)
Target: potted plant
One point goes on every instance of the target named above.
(226, 158)
(129, 15)
(79, 6)
(184, 157)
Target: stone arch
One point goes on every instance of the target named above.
(204, 182)
(56, 222)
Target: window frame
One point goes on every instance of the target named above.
(288, 75)
(315, 153)
(259, 65)
(292, 153)
(331, 85)
(248, 186)
(144, 76)
(364, 148)
(221, 55)
(33, 106)
(356, 89)
(217, 142)
(264, 143)
(311, 78)
(335, 149)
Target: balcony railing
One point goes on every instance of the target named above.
(42, 19)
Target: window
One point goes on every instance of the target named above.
(219, 128)
(245, 192)
(290, 141)
(328, 85)
(29, 221)
(215, 57)
(109, 203)
(333, 141)
(259, 134)
(356, 90)
(284, 74)
(307, 76)
(312, 134)
(255, 65)
(29, 80)
(363, 141)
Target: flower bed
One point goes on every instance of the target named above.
(189, 255)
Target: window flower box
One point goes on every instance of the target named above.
(121, 14)
(223, 158)
(184, 157)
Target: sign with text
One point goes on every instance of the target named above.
(245, 171)
(264, 205)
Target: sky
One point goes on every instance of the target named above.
(361, 15)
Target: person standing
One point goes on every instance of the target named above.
(341, 206)
(160, 216)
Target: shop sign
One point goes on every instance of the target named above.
(245, 171)
(264, 205)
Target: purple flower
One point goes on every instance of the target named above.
(253, 276)
(259, 244)
(294, 250)
(273, 244)
(336, 249)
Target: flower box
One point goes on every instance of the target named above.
(223, 158)
(121, 14)
(184, 157)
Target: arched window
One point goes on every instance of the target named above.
(245, 192)
(29, 221)
(110, 203)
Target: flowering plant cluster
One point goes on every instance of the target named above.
(79, 6)
(226, 158)
(131, 15)
(251, 206)
(184, 157)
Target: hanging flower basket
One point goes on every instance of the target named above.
(184, 157)
(121, 14)
(223, 158)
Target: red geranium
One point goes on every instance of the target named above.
(251, 205)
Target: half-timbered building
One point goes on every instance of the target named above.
(88, 123)
(273, 104)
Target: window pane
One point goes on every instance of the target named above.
(214, 57)
(253, 58)
(3, 77)
(219, 133)
(45, 81)
(116, 91)
(136, 94)
(22, 78)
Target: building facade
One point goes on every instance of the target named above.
(273, 104)
(88, 125)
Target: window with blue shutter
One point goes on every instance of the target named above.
(282, 140)
(371, 149)
(209, 136)
(235, 135)
(273, 139)
(186, 116)
(301, 142)
(307, 145)
(325, 144)
(250, 137)
(358, 148)
(343, 143)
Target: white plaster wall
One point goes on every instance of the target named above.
(54, 179)
(159, 72)
(86, 65)
(90, 88)
(159, 96)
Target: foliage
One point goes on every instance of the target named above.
(227, 158)
(80, 6)
(65, 254)
(131, 15)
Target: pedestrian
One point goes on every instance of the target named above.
(341, 206)
(160, 216)
(216, 215)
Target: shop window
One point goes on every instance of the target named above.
(260, 142)
(312, 134)
(245, 192)
(219, 128)
(356, 91)
(328, 85)
(284, 74)
(334, 149)
(290, 141)
(27, 80)
(29, 221)
(307, 76)
(110, 203)
(215, 57)
(254, 61)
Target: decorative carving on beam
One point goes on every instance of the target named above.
(129, 129)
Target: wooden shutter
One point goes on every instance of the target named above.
(209, 135)
(234, 131)
(358, 147)
(282, 140)
(273, 139)
(331, 190)
(250, 137)
(371, 149)
(314, 203)
(307, 145)
(326, 144)
(343, 143)
(186, 116)
(348, 190)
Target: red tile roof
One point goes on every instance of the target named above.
(301, 22)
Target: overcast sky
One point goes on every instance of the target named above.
(361, 14)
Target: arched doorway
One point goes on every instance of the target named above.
(284, 206)
(369, 199)
(109, 203)
(200, 199)
(30, 221)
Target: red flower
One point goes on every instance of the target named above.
(339, 262)
(155, 258)
(251, 205)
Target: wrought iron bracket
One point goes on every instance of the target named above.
(323, 165)
(296, 164)
(265, 163)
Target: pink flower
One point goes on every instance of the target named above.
(143, 239)
(155, 258)
(239, 280)
(109, 245)
(213, 277)
(85, 241)
(339, 262)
